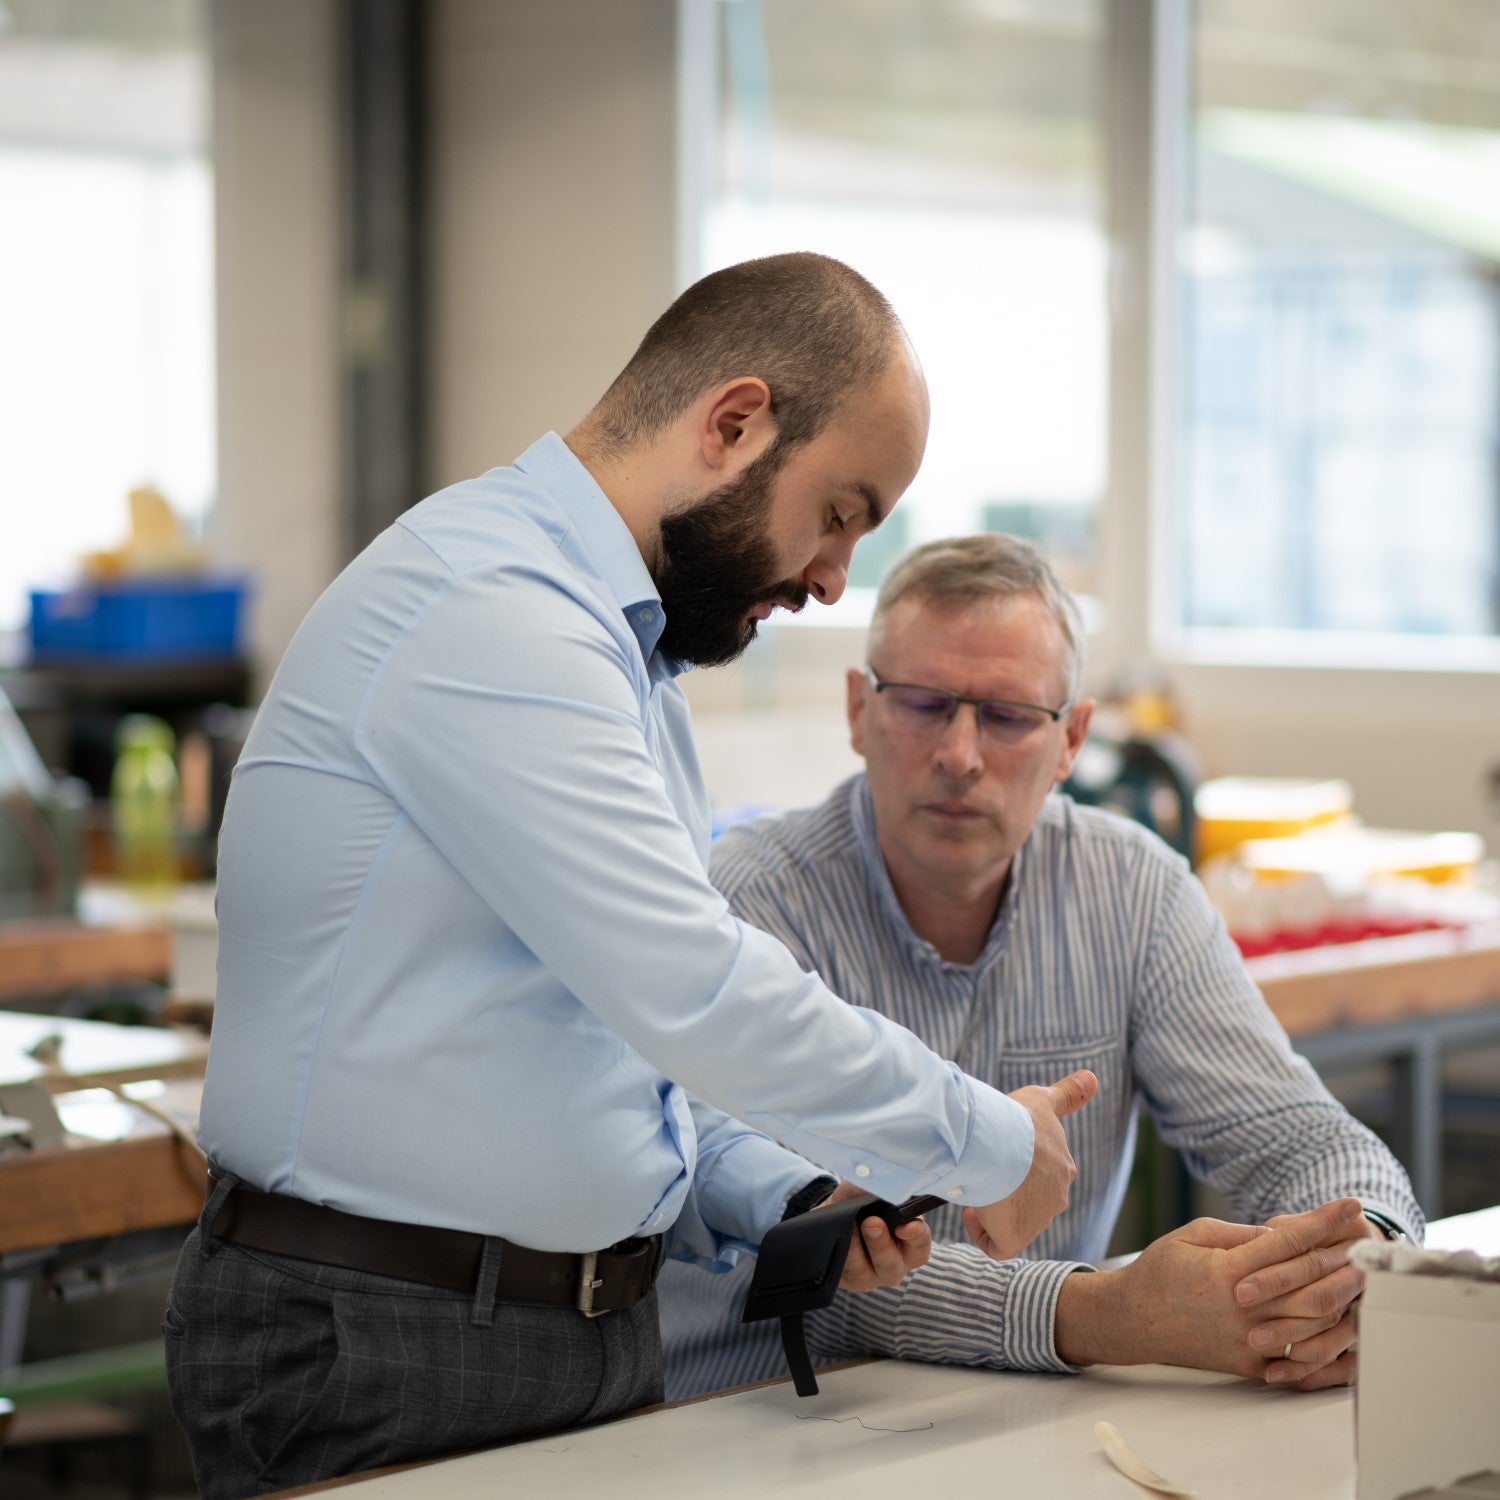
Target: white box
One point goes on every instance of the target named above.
(1427, 1401)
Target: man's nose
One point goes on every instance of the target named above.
(960, 747)
(827, 575)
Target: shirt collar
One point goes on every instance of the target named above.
(602, 531)
(862, 811)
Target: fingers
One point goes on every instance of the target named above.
(859, 1274)
(877, 1257)
(1293, 1238)
(1218, 1234)
(1341, 1372)
(1314, 1354)
(913, 1243)
(882, 1251)
(1269, 1339)
(1358, 1228)
(1290, 1277)
(1070, 1094)
(1328, 1296)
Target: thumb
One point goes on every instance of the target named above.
(1217, 1234)
(1073, 1092)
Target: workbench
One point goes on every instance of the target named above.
(1406, 1002)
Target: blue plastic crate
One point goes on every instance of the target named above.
(157, 619)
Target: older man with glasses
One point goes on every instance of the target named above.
(1023, 936)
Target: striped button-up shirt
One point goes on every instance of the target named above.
(1105, 954)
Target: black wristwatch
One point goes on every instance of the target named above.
(1388, 1227)
(809, 1197)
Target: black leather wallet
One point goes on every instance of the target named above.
(800, 1263)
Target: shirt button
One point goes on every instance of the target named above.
(861, 1170)
(955, 1192)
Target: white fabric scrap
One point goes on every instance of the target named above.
(1372, 1255)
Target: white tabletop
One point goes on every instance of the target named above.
(892, 1429)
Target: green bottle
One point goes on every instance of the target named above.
(143, 798)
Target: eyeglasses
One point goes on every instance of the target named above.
(926, 710)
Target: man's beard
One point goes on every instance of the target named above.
(717, 564)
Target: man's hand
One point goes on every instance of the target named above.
(1006, 1228)
(878, 1257)
(1177, 1302)
(1304, 1302)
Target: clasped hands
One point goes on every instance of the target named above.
(1272, 1302)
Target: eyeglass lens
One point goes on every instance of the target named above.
(928, 710)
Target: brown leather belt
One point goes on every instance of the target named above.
(595, 1282)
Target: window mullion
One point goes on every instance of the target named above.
(1148, 89)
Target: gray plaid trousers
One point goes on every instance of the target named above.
(282, 1372)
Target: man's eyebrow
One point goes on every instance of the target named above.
(871, 496)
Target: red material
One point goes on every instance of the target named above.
(1339, 930)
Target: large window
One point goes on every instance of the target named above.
(949, 150)
(1324, 351)
(1341, 385)
(106, 296)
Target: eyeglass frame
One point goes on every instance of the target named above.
(957, 699)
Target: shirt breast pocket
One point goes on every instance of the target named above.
(1101, 1121)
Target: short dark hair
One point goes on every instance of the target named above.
(811, 327)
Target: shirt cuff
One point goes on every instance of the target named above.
(1028, 1335)
(997, 1155)
(735, 1201)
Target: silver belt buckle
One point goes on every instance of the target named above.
(587, 1283)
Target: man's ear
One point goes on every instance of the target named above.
(856, 694)
(737, 425)
(1075, 732)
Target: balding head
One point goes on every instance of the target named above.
(815, 331)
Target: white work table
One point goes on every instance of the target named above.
(889, 1430)
(892, 1429)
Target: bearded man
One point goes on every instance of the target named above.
(470, 962)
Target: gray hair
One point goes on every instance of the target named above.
(975, 569)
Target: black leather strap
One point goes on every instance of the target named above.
(794, 1345)
(619, 1277)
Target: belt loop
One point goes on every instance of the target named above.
(483, 1313)
(223, 1184)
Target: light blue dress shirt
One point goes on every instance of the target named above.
(466, 935)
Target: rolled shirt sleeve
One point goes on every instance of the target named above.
(961, 1308)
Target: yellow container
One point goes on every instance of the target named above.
(1354, 855)
(1232, 810)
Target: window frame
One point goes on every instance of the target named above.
(1148, 123)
